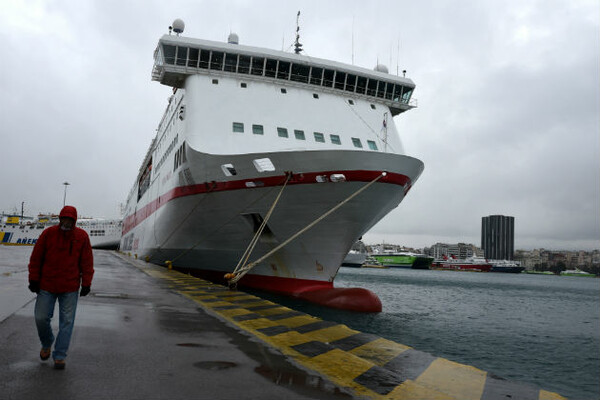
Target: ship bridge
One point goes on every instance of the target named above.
(177, 57)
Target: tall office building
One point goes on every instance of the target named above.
(498, 237)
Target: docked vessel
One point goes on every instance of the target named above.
(404, 259)
(506, 266)
(291, 157)
(357, 256)
(474, 264)
(14, 230)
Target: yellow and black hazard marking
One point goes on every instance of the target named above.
(371, 366)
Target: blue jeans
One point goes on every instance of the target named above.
(44, 311)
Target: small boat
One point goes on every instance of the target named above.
(356, 256)
(506, 266)
(474, 264)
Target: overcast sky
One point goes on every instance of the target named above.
(508, 117)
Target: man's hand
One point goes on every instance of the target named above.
(85, 290)
(34, 286)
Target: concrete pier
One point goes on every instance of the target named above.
(146, 332)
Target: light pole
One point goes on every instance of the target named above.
(65, 195)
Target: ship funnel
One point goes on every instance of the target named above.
(233, 38)
(178, 26)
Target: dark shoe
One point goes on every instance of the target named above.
(59, 364)
(45, 353)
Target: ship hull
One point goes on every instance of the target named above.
(205, 226)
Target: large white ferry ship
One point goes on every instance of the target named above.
(254, 146)
(17, 230)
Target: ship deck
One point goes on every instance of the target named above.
(148, 332)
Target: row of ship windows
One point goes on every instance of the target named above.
(284, 91)
(238, 127)
(283, 70)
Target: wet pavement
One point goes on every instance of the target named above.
(135, 338)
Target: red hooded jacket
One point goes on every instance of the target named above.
(62, 260)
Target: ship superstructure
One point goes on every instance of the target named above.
(256, 140)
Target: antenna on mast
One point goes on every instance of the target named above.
(353, 40)
(297, 44)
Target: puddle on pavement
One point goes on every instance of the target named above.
(215, 365)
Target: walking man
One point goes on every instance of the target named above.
(60, 263)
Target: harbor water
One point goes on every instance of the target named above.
(538, 329)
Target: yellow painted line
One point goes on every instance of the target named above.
(410, 390)
(255, 324)
(299, 320)
(342, 367)
(457, 380)
(379, 351)
(544, 395)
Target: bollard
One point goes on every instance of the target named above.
(169, 264)
(147, 258)
(135, 256)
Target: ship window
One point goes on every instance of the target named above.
(406, 94)
(361, 85)
(271, 68)
(381, 89)
(319, 137)
(244, 65)
(316, 75)
(356, 142)
(283, 90)
(372, 87)
(282, 132)
(244, 85)
(328, 78)
(230, 62)
(335, 139)
(350, 83)
(257, 65)
(215, 81)
(299, 135)
(169, 54)
(351, 102)
(373, 106)
(204, 59)
(216, 60)
(193, 58)
(181, 55)
(340, 78)
(238, 127)
(300, 73)
(283, 70)
(316, 96)
(257, 130)
(372, 145)
(389, 91)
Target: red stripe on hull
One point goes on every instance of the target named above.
(132, 221)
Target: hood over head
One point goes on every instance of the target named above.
(69, 211)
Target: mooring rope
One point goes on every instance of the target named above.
(239, 272)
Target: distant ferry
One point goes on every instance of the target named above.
(475, 264)
(506, 266)
(103, 233)
(290, 157)
(404, 259)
